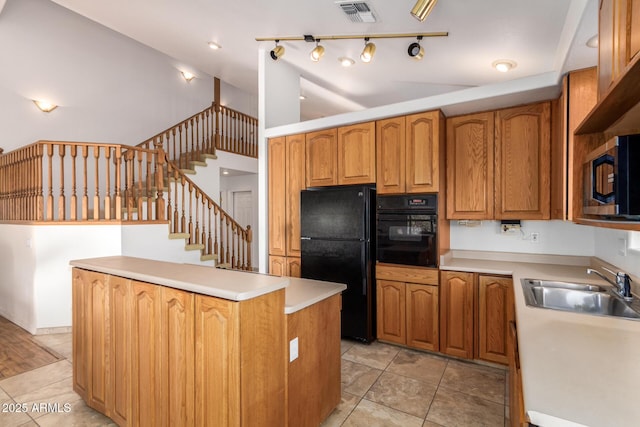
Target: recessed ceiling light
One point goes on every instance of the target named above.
(593, 41)
(346, 62)
(225, 172)
(504, 65)
(302, 97)
(214, 46)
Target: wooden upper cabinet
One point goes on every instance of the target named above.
(633, 29)
(295, 182)
(357, 154)
(523, 165)
(321, 158)
(470, 166)
(277, 196)
(424, 139)
(391, 158)
(495, 312)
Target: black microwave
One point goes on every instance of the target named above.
(612, 178)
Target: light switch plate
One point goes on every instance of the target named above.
(293, 349)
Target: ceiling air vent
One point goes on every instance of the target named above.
(357, 11)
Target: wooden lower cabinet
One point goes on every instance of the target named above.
(407, 313)
(285, 266)
(475, 311)
(456, 313)
(517, 414)
(151, 355)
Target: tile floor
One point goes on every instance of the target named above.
(382, 385)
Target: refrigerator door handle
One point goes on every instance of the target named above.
(363, 269)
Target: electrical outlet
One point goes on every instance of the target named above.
(535, 237)
(293, 349)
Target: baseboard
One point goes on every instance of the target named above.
(57, 330)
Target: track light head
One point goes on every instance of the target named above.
(277, 51)
(415, 50)
(422, 9)
(317, 52)
(368, 51)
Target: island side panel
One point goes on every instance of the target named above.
(314, 377)
(262, 360)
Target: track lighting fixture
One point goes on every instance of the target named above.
(317, 52)
(368, 51)
(277, 51)
(422, 9)
(415, 50)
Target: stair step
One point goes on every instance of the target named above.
(225, 266)
(194, 247)
(178, 236)
(210, 257)
(198, 163)
(188, 171)
(210, 156)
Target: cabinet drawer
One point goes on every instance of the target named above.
(425, 276)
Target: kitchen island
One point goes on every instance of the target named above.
(161, 343)
(577, 369)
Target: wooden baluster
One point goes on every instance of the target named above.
(107, 178)
(243, 149)
(129, 185)
(176, 155)
(198, 151)
(196, 232)
(217, 127)
(138, 185)
(149, 186)
(175, 208)
(222, 238)
(39, 178)
(228, 241)
(96, 196)
(180, 160)
(118, 183)
(215, 232)
(183, 224)
(192, 149)
(190, 213)
(73, 208)
(249, 240)
(50, 185)
(209, 239)
(207, 131)
(61, 199)
(203, 237)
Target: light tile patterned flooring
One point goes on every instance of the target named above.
(382, 385)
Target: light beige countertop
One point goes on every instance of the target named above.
(577, 369)
(228, 284)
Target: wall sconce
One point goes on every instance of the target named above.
(422, 9)
(187, 76)
(45, 106)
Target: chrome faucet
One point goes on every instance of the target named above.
(622, 283)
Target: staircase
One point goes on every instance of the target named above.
(81, 182)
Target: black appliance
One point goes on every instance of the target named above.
(337, 227)
(612, 178)
(407, 230)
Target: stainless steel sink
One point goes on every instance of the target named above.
(577, 298)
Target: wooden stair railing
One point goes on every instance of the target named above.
(214, 128)
(67, 182)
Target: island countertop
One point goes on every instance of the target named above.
(227, 284)
(575, 366)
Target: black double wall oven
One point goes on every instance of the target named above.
(407, 230)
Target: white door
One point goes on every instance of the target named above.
(243, 208)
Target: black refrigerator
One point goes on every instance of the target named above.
(337, 228)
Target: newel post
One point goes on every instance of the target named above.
(160, 161)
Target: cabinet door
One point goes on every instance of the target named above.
(80, 336)
(470, 151)
(277, 196)
(145, 353)
(277, 265)
(516, 405)
(120, 349)
(321, 158)
(357, 154)
(522, 174)
(390, 303)
(422, 316)
(423, 152)
(495, 311)
(217, 371)
(390, 156)
(456, 313)
(293, 267)
(612, 42)
(633, 29)
(177, 357)
(295, 182)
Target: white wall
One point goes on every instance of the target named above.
(610, 246)
(40, 298)
(249, 182)
(556, 237)
(109, 88)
